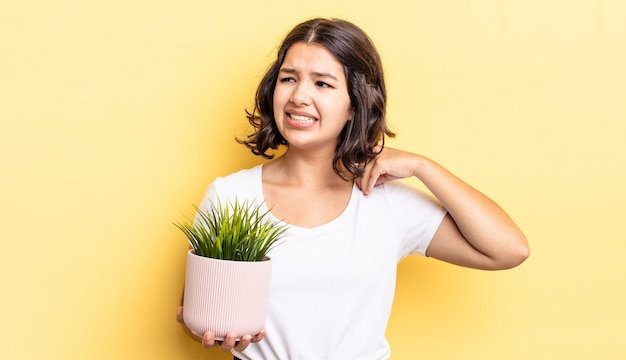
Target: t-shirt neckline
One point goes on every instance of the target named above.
(330, 224)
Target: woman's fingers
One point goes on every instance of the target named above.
(364, 181)
(390, 164)
(208, 340)
(258, 337)
(230, 341)
(243, 343)
(179, 315)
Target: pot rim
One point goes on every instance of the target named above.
(192, 251)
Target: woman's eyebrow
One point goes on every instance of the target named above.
(314, 73)
(325, 75)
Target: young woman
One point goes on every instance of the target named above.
(333, 277)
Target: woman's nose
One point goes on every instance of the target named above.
(300, 95)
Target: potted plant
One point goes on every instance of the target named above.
(227, 276)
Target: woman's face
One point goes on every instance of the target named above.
(311, 102)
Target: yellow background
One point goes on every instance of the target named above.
(115, 115)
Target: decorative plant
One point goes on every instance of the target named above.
(239, 231)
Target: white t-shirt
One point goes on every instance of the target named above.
(333, 285)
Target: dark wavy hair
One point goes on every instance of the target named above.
(366, 88)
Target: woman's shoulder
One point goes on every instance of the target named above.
(399, 193)
(241, 177)
(245, 183)
(399, 188)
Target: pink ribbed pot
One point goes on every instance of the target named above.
(225, 296)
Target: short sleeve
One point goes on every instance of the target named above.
(417, 216)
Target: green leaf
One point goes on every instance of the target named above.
(237, 231)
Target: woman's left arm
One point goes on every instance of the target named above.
(475, 233)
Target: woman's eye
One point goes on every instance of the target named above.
(287, 79)
(322, 84)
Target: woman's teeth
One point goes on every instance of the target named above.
(302, 119)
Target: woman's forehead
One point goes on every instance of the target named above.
(311, 57)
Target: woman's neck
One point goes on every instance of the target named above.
(311, 170)
(304, 190)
